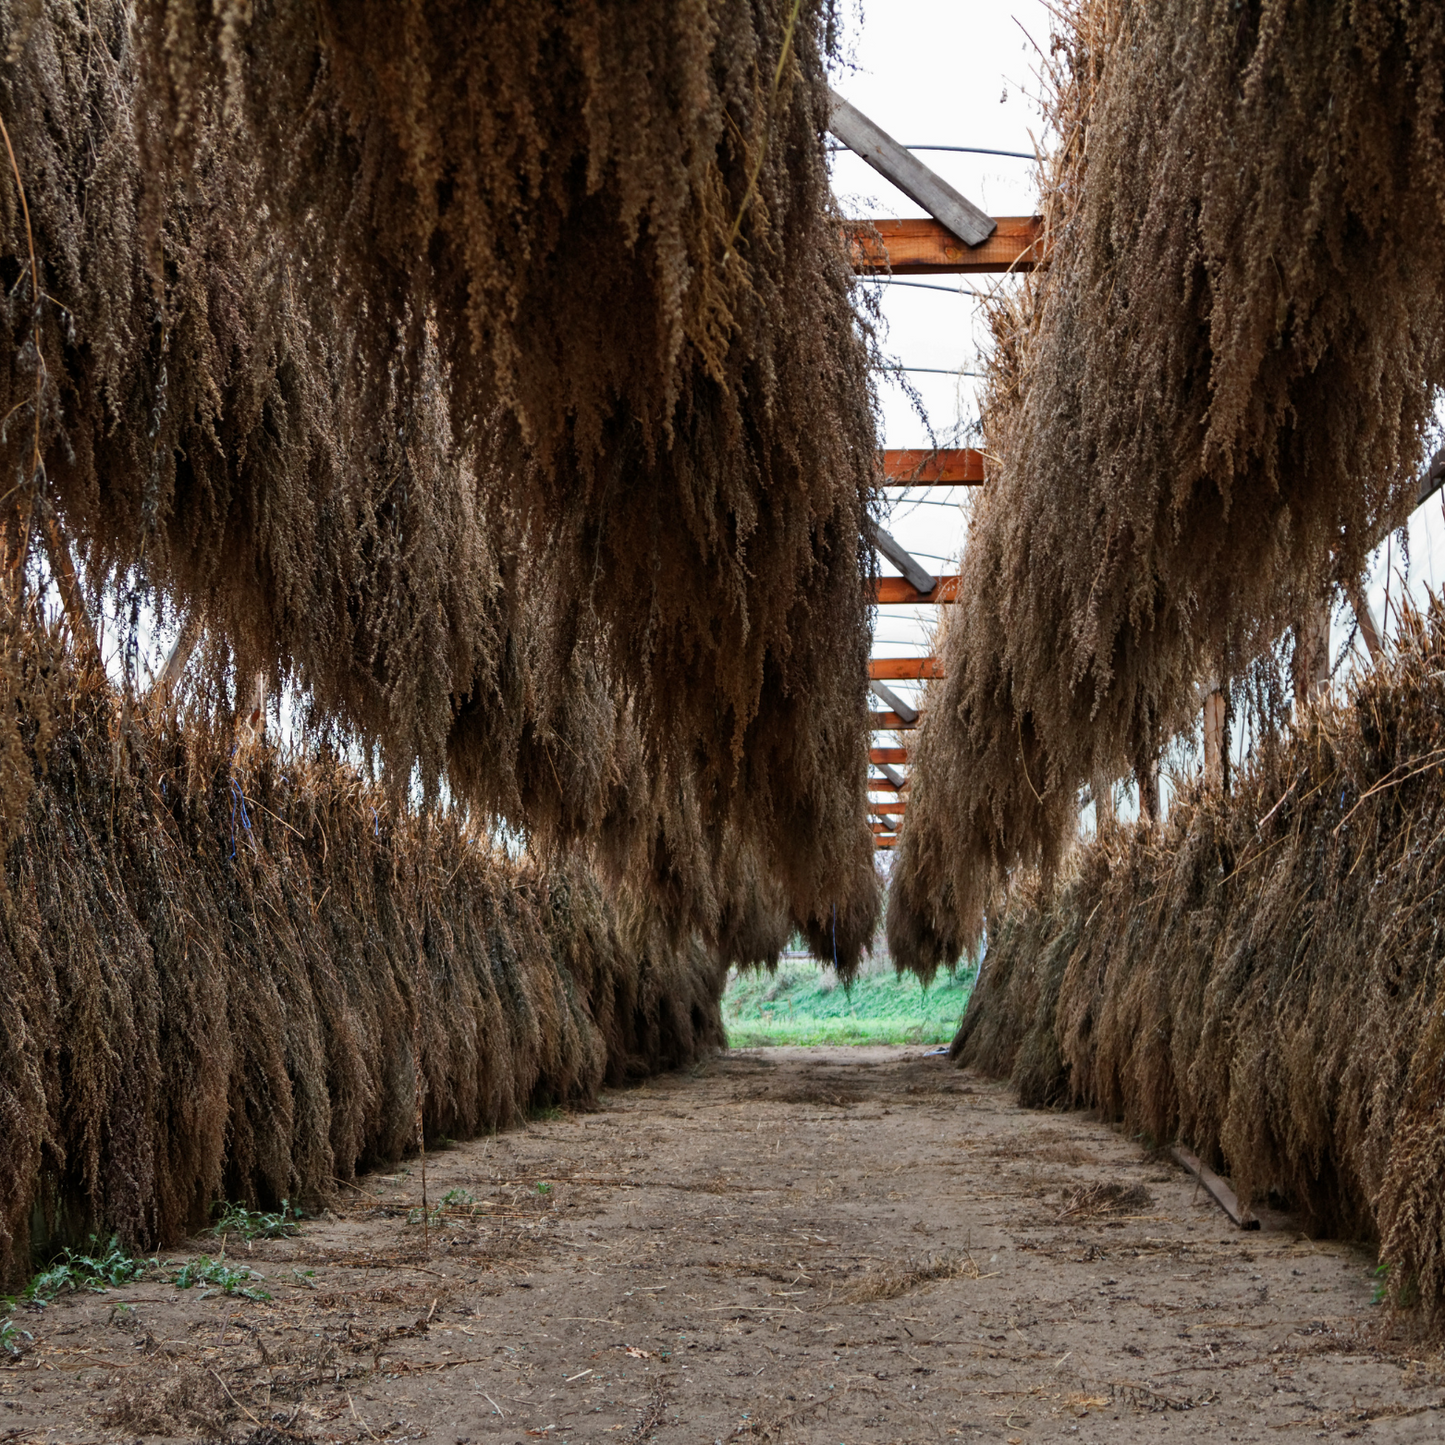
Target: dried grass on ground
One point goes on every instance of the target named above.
(1263, 978)
(218, 966)
(1211, 401)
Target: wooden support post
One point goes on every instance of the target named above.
(1102, 789)
(176, 658)
(255, 722)
(1214, 735)
(1147, 776)
(1312, 652)
(62, 568)
(1365, 619)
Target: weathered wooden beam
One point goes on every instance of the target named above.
(885, 842)
(1223, 1194)
(891, 779)
(1431, 479)
(905, 668)
(888, 810)
(917, 181)
(918, 576)
(889, 830)
(914, 467)
(886, 695)
(889, 722)
(896, 591)
(887, 755)
(177, 657)
(67, 583)
(1214, 716)
(924, 248)
(882, 785)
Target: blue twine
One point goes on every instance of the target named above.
(237, 796)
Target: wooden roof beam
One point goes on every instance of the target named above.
(946, 466)
(894, 591)
(887, 755)
(925, 248)
(889, 722)
(905, 669)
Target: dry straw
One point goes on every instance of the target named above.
(1208, 404)
(488, 372)
(217, 968)
(1263, 978)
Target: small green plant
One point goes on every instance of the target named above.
(544, 1113)
(256, 1224)
(219, 1277)
(544, 1188)
(457, 1199)
(1382, 1284)
(10, 1333)
(1405, 1295)
(105, 1267)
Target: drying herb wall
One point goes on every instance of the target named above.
(1211, 403)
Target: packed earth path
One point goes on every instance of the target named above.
(815, 1245)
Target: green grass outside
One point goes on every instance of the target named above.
(803, 1003)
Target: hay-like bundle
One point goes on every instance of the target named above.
(215, 970)
(1208, 404)
(489, 371)
(1264, 977)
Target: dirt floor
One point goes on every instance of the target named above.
(828, 1246)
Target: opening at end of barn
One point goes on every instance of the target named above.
(722, 721)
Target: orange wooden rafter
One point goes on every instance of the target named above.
(894, 591)
(904, 668)
(925, 248)
(912, 466)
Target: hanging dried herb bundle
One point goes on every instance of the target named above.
(1211, 401)
(488, 371)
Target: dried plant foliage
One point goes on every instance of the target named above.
(215, 967)
(1211, 402)
(488, 372)
(1263, 978)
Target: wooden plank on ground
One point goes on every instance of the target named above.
(915, 466)
(1224, 1196)
(895, 163)
(895, 591)
(924, 248)
(905, 668)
